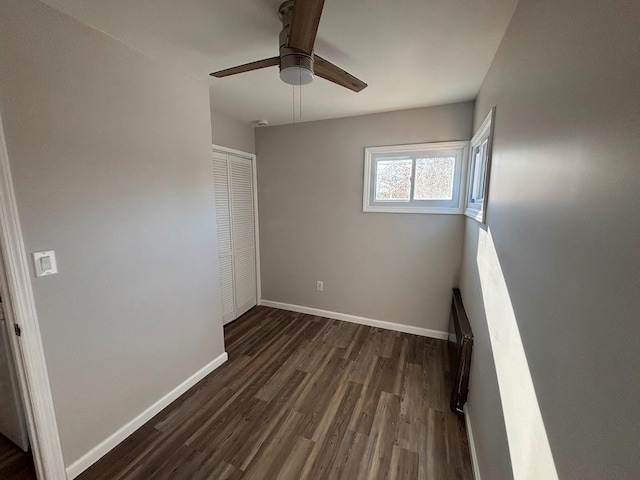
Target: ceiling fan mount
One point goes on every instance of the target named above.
(284, 12)
(297, 61)
(296, 67)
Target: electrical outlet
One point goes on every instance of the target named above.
(320, 286)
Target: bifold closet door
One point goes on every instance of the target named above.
(225, 245)
(244, 235)
(233, 184)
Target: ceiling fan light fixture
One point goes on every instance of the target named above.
(296, 75)
(295, 68)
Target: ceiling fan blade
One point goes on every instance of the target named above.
(247, 67)
(329, 71)
(304, 24)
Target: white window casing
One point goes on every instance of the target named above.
(416, 178)
(479, 170)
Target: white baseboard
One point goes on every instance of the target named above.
(472, 445)
(97, 452)
(398, 327)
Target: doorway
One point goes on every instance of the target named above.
(16, 459)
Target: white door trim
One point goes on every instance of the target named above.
(27, 349)
(252, 157)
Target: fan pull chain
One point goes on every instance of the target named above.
(293, 101)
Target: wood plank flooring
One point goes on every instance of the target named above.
(305, 397)
(14, 463)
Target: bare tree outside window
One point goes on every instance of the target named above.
(393, 180)
(434, 178)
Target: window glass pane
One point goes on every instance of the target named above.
(434, 178)
(478, 172)
(393, 180)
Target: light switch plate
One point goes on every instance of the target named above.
(45, 263)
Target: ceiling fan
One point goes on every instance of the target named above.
(298, 64)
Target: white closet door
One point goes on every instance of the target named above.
(243, 233)
(234, 202)
(225, 243)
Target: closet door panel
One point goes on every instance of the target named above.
(245, 275)
(227, 289)
(222, 203)
(242, 203)
(225, 242)
(243, 233)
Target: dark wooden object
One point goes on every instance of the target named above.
(460, 347)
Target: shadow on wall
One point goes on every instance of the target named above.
(529, 449)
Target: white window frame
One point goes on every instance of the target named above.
(476, 202)
(446, 207)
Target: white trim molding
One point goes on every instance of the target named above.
(104, 447)
(472, 444)
(27, 349)
(345, 317)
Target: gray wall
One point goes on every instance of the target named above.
(110, 154)
(231, 133)
(554, 281)
(393, 267)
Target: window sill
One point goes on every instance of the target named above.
(430, 210)
(475, 214)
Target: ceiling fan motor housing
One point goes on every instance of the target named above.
(296, 67)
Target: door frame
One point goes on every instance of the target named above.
(254, 168)
(12, 369)
(27, 349)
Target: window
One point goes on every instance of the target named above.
(423, 178)
(479, 169)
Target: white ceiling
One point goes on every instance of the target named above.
(412, 53)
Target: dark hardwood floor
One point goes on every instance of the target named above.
(305, 397)
(14, 463)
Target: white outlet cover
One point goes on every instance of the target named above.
(44, 263)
